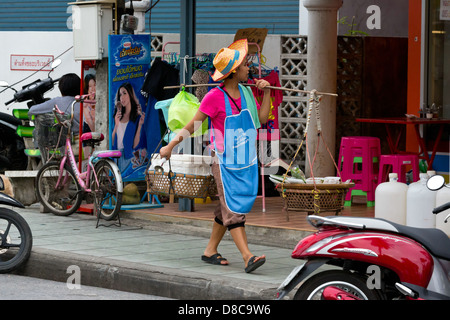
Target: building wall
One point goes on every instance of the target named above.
(57, 43)
(34, 15)
(219, 16)
(38, 27)
(226, 16)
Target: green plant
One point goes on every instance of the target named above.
(351, 32)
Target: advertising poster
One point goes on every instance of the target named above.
(129, 60)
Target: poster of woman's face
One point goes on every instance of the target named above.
(89, 88)
(129, 61)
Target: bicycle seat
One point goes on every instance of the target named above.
(94, 136)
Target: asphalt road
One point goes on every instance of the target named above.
(15, 287)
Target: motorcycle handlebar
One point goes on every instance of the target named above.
(441, 208)
(34, 91)
(10, 101)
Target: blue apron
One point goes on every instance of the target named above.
(238, 162)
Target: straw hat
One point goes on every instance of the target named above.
(228, 59)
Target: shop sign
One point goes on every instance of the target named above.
(21, 62)
(445, 10)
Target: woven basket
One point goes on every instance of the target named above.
(184, 185)
(314, 198)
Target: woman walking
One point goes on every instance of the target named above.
(235, 117)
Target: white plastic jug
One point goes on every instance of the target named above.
(390, 200)
(420, 202)
(442, 197)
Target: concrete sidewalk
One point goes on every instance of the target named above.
(152, 257)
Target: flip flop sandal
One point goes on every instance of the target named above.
(252, 265)
(214, 259)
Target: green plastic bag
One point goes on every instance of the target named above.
(182, 109)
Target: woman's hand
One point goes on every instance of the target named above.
(261, 84)
(118, 116)
(142, 118)
(142, 114)
(165, 152)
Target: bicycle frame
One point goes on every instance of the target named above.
(90, 184)
(82, 177)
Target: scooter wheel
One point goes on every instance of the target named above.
(16, 240)
(351, 283)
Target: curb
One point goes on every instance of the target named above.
(140, 278)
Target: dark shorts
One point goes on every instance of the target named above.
(222, 214)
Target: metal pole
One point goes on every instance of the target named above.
(187, 49)
(187, 39)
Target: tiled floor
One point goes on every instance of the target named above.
(77, 234)
(274, 216)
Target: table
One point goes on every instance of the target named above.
(393, 140)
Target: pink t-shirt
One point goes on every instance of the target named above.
(213, 105)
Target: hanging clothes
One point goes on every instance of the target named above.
(152, 126)
(200, 76)
(159, 75)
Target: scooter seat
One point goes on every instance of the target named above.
(435, 240)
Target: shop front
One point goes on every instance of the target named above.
(434, 74)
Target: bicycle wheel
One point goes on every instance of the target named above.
(106, 197)
(62, 199)
(16, 240)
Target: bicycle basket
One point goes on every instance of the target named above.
(47, 132)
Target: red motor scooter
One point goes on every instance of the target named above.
(356, 258)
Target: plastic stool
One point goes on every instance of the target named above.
(398, 162)
(358, 161)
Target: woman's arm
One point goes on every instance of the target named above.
(187, 131)
(116, 124)
(137, 136)
(264, 109)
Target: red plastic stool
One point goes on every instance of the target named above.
(398, 162)
(358, 161)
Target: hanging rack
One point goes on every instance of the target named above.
(250, 85)
(163, 52)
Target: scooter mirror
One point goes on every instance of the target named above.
(56, 63)
(435, 183)
(4, 84)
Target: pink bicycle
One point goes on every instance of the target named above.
(61, 187)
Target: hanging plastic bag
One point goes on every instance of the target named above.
(182, 110)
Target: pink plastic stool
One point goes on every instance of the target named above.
(398, 162)
(358, 161)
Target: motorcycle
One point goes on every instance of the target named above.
(16, 239)
(357, 258)
(12, 144)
